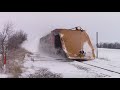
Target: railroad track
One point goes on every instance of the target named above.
(99, 67)
(103, 68)
(92, 64)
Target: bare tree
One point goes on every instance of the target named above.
(5, 35)
(16, 40)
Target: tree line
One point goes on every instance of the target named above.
(114, 45)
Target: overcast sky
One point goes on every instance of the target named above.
(39, 23)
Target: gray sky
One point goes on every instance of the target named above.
(39, 23)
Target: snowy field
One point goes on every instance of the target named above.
(106, 66)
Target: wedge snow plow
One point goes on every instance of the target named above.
(70, 43)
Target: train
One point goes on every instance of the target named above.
(74, 44)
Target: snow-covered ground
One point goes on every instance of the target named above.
(4, 76)
(106, 66)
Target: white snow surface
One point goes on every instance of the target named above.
(4, 76)
(106, 66)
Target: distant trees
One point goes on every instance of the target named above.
(115, 45)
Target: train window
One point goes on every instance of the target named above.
(58, 41)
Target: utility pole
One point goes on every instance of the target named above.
(97, 44)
